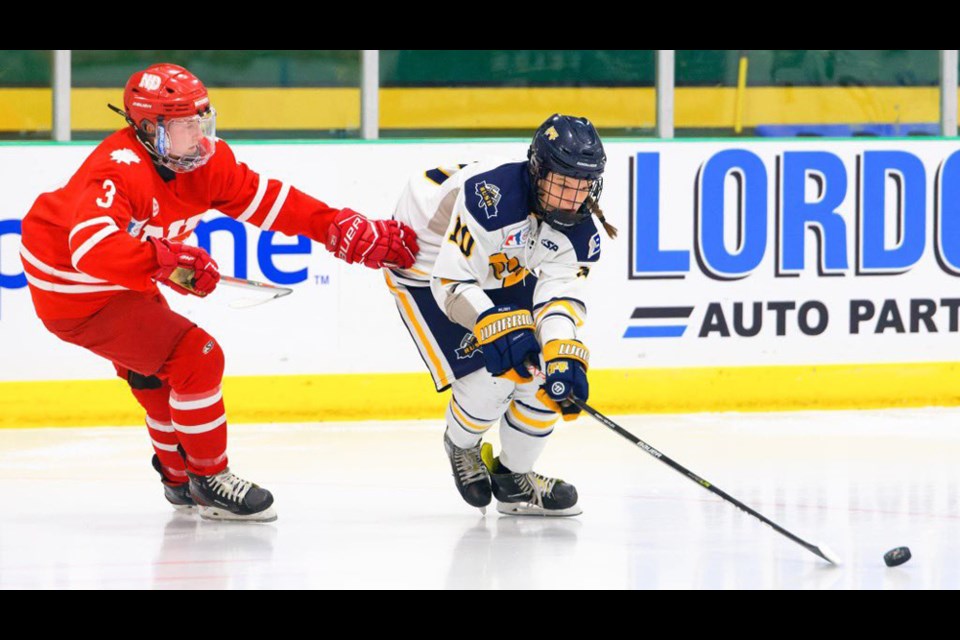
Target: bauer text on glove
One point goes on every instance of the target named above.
(353, 237)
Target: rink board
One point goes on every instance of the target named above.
(748, 275)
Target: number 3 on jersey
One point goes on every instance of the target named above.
(462, 238)
(107, 199)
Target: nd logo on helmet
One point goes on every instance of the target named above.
(551, 134)
(150, 82)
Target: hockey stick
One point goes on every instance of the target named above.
(821, 550)
(241, 283)
(184, 277)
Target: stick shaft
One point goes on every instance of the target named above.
(613, 426)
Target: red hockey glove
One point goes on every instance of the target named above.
(376, 243)
(184, 268)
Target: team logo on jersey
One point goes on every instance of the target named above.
(207, 348)
(135, 227)
(594, 246)
(156, 209)
(551, 134)
(124, 156)
(552, 246)
(468, 347)
(489, 198)
(517, 239)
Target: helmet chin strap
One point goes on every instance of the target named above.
(122, 113)
(151, 150)
(141, 134)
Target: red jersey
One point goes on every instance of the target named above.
(85, 242)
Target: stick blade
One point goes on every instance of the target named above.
(827, 554)
(246, 303)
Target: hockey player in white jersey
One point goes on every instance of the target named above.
(505, 252)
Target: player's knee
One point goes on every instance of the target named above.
(205, 351)
(197, 362)
(483, 394)
(529, 395)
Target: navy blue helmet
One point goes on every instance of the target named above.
(566, 146)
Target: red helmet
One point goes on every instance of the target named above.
(162, 99)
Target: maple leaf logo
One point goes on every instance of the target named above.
(124, 156)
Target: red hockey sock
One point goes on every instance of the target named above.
(156, 401)
(194, 372)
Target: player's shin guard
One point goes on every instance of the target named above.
(194, 371)
(522, 443)
(463, 427)
(164, 439)
(154, 396)
(201, 424)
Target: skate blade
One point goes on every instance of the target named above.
(528, 509)
(184, 508)
(222, 515)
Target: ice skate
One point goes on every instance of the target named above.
(470, 474)
(224, 496)
(177, 495)
(529, 494)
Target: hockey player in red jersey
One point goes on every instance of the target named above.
(95, 250)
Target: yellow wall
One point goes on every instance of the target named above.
(499, 108)
(411, 395)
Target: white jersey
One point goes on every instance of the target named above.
(476, 233)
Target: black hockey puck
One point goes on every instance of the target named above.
(897, 556)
